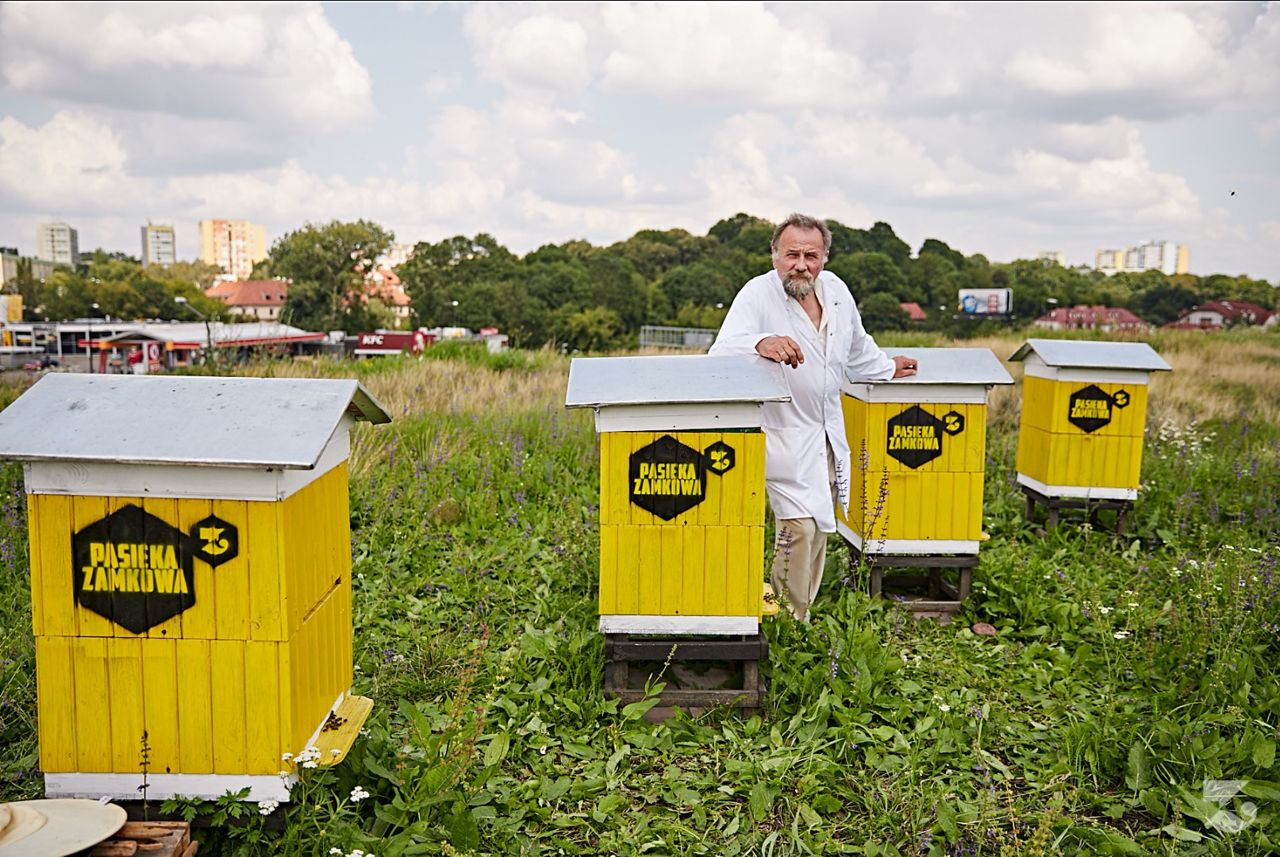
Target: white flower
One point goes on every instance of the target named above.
(1120, 635)
(358, 794)
(335, 850)
(1105, 610)
(1133, 604)
(308, 764)
(286, 757)
(943, 707)
(266, 807)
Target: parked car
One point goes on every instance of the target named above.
(44, 361)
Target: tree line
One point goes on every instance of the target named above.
(589, 297)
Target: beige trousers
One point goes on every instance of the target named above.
(799, 554)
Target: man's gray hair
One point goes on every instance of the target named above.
(803, 221)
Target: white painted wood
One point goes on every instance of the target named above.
(678, 417)
(1038, 369)
(907, 547)
(164, 786)
(91, 479)
(1087, 492)
(640, 624)
(925, 394)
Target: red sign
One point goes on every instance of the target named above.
(388, 343)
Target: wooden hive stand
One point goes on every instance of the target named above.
(624, 653)
(1092, 507)
(927, 593)
(149, 839)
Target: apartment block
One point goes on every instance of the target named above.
(235, 246)
(1163, 256)
(158, 245)
(58, 243)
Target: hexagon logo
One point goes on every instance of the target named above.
(133, 569)
(720, 457)
(914, 437)
(216, 541)
(1089, 408)
(667, 478)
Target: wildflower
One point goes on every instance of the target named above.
(335, 850)
(943, 707)
(358, 794)
(1120, 635)
(1133, 604)
(266, 807)
(286, 757)
(1105, 610)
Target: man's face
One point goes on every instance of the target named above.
(798, 259)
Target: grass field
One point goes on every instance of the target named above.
(1126, 672)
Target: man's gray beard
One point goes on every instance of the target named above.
(798, 287)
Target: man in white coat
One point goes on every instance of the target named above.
(803, 316)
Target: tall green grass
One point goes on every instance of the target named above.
(1126, 672)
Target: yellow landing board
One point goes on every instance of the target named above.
(341, 728)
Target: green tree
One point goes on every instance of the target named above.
(328, 261)
(200, 273)
(933, 245)
(1163, 304)
(438, 274)
(881, 311)
(869, 274)
(594, 329)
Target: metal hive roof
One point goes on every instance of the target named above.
(188, 420)
(947, 366)
(1093, 355)
(604, 381)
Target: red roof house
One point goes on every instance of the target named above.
(913, 309)
(262, 299)
(1092, 318)
(1218, 314)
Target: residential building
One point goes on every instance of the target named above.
(1215, 315)
(397, 254)
(235, 246)
(41, 269)
(912, 309)
(1092, 318)
(158, 246)
(383, 285)
(262, 299)
(58, 243)
(1163, 256)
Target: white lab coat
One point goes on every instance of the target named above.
(798, 432)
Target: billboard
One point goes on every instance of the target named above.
(986, 301)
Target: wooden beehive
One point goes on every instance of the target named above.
(190, 578)
(682, 494)
(1084, 411)
(919, 453)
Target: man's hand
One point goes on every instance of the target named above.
(780, 349)
(904, 366)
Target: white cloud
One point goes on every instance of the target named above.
(279, 64)
(538, 51)
(439, 85)
(740, 51)
(71, 163)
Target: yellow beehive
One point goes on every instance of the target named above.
(190, 579)
(919, 454)
(1084, 410)
(681, 489)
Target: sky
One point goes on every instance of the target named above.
(1003, 129)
